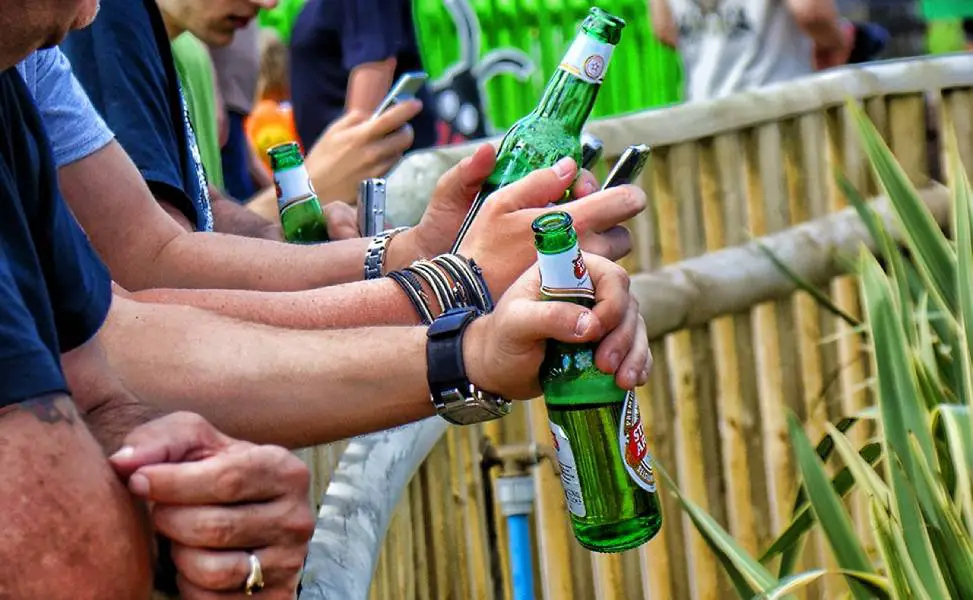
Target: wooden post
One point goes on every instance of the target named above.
(719, 163)
(673, 177)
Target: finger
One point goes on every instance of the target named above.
(342, 221)
(395, 117)
(177, 437)
(612, 296)
(253, 474)
(463, 181)
(586, 184)
(227, 571)
(634, 370)
(538, 189)
(614, 243)
(618, 343)
(221, 527)
(393, 146)
(602, 210)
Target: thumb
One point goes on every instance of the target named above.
(540, 188)
(533, 321)
(177, 437)
(462, 182)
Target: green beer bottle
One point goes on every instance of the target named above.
(597, 432)
(301, 216)
(553, 129)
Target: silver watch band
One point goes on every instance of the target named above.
(375, 255)
(470, 406)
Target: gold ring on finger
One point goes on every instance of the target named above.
(255, 579)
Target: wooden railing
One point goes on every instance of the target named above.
(734, 349)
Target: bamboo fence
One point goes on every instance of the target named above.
(733, 348)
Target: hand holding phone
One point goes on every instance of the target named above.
(406, 88)
(628, 167)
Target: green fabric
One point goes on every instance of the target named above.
(281, 18)
(196, 73)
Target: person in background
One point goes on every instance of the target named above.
(237, 67)
(968, 32)
(345, 56)
(729, 46)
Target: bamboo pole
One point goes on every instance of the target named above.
(697, 290)
(735, 462)
(673, 176)
(763, 172)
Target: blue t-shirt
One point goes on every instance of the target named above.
(124, 62)
(54, 290)
(332, 37)
(75, 128)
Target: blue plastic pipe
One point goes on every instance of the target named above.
(518, 536)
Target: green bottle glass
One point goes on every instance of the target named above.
(597, 432)
(553, 129)
(301, 216)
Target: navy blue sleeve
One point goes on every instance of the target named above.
(28, 366)
(79, 282)
(117, 60)
(372, 30)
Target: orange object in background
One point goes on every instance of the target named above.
(270, 123)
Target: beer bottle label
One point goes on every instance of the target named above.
(292, 184)
(570, 481)
(564, 275)
(587, 59)
(635, 448)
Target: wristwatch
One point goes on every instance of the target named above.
(375, 255)
(456, 399)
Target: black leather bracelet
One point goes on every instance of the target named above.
(414, 296)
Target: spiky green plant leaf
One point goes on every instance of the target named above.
(876, 585)
(748, 576)
(828, 509)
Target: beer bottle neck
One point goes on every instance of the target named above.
(568, 100)
(570, 95)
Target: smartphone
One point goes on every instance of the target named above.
(405, 88)
(591, 149)
(628, 167)
(371, 207)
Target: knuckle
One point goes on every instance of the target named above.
(301, 522)
(230, 483)
(218, 531)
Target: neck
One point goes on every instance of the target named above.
(173, 29)
(15, 43)
(568, 99)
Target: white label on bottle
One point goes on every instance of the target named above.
(292, 184)
(569, 471)
(634, 446)
(564, 275)
(587, 58)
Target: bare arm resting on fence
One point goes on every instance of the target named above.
(820, 20)
(300, 388)
(662, 22)
(69, 524)
(500, 241)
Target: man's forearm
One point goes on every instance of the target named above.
(294, 388)
(231, 217)
(362, 304)
(820, 20)
(368, 84)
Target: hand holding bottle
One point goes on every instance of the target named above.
(503, 350)
(499, 240)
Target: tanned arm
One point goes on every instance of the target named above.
(663, 25)
(266, 385)
(368, 84)
(145, 247)
(231, 217)
(69, 524)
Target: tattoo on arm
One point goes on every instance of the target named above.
(49, 408)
